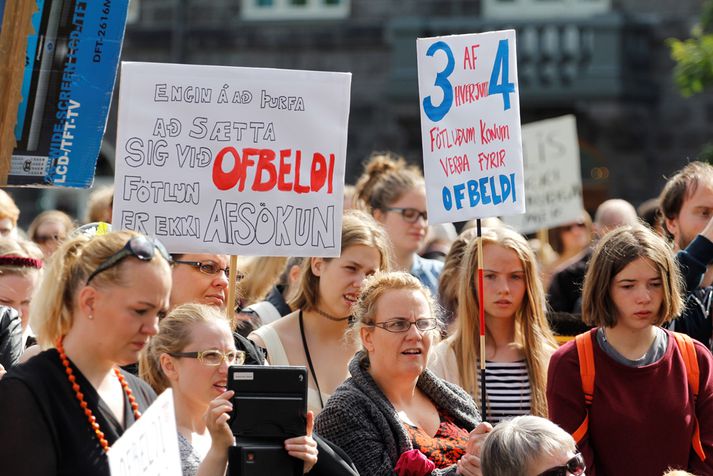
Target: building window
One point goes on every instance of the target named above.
(294, 9)
(544, 8)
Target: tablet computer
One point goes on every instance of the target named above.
(269, 401)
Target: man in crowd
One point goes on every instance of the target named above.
(687, 209)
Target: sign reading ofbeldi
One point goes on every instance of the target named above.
(250, 161)
(470, 126)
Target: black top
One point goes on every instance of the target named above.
(44, 431)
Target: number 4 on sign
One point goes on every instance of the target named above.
(501, 70)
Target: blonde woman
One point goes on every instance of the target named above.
(191, 355)
(97, 306)
(313, 335)
(518, 340)
(393, 416)
(20, 271)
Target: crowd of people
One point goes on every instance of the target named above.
(597, 349)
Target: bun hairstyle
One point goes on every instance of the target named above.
(386, 178)
(52, 308)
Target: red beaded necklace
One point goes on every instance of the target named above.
(82, 403)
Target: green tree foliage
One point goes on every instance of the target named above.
(693, 72)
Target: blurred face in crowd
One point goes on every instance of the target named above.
(7, 228)
(49, 236)
(16, 292)
(637, 294)
(575, 237)
(402, 354)
(406, 229)
(503, 282)
(696, 211)
(200, 278)
(340, 279)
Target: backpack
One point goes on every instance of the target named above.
(585, 353)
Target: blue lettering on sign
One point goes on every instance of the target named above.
(494, 189)
(436, 113)
(501, 69)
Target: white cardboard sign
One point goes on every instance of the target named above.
(552, 175)
(150, 446)
(216, 159)
(470, 126)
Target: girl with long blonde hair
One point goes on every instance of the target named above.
(518, 340)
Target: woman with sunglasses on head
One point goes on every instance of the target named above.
(395, 195)
(99, 302)
(393, 416)
(642, 414)
(518, 340)
(312, 336)
(530, 446)
(567, 241)
(191, 355)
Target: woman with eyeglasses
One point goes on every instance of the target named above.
(395, 195)
(393, 416)
(530, 446)
(518, 340)
(98, 304)
(191, 355)
(313, 335)
(643, 412)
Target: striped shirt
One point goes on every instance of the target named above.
(508, 392)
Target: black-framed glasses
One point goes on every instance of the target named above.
(575, 466)
(208, 267)
(409, 215)
(403, 325)
(141, 247)
(214, 357)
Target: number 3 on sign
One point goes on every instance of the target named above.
(501, 68)
(436, 113)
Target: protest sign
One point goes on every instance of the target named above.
(150, 446)
(215, 159)
(470, 126)
(60, 96)
(553, 177)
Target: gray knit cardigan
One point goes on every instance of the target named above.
(360, 419)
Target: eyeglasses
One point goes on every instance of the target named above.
(574, 466)
(573, 226)
(141, 247)
(42, 239)
(214, 357)
(208, 268)
(409, 215)
(403, 325)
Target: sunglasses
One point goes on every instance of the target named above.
(42, 239)
(403, 325)
(409, 215)
(574, 466)
(214, 357)
(140, 247)
(573, 226)
(208, 268)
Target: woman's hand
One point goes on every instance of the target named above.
(469, 464)
(477, 438)
(216, 419)
(304, 447)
